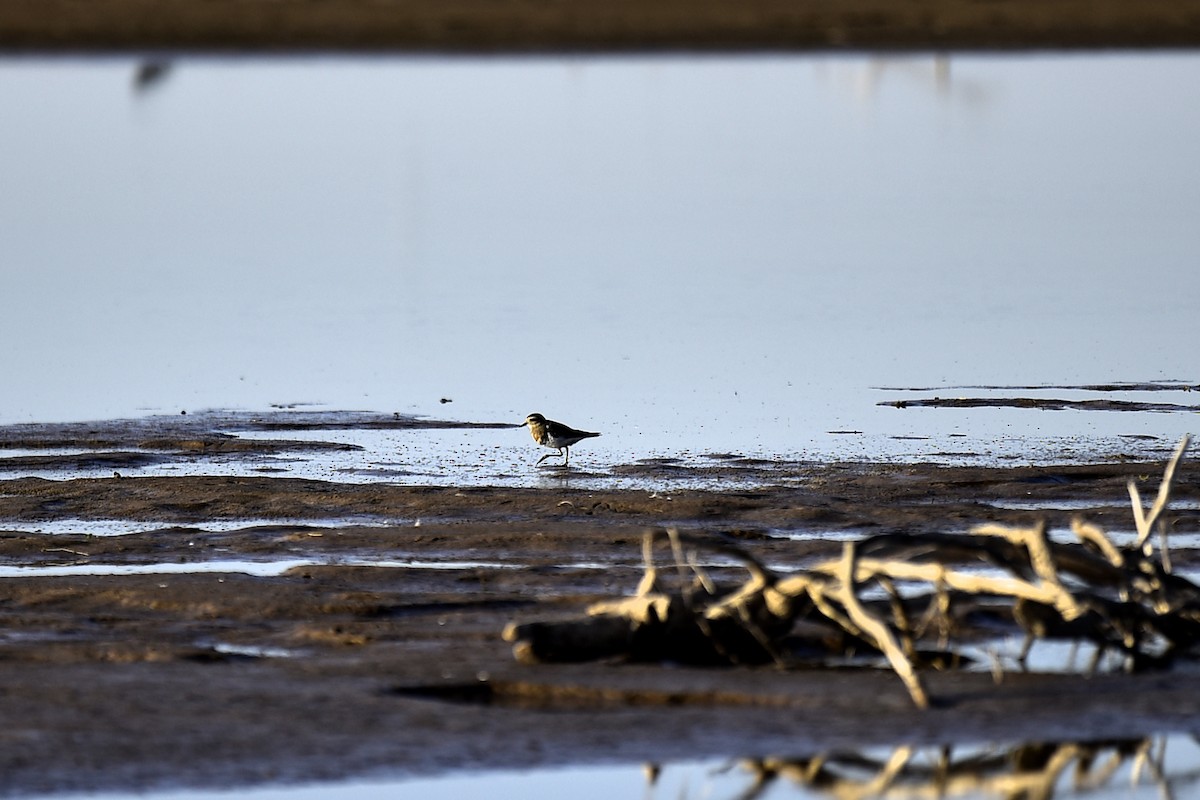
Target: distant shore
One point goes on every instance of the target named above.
(529, 26)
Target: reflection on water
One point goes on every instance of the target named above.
(1158, 767)
(865, 79)
(1035, 770)
(150, 74)
(719, 253)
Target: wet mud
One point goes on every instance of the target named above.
(1003, 397)
(1044, 403)
(263, 628)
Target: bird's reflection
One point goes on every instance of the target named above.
(150, 74)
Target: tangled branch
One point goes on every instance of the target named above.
(1123, 600)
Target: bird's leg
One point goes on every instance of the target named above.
(567, 462)
(552, 455)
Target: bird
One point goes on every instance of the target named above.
(549, 433)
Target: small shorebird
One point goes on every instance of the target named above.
(549, 433)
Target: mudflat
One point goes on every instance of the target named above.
(617, 25)
(262, 628)
(266, 628)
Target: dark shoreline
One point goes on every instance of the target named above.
(548, 27)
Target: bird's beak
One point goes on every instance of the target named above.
(523, 424)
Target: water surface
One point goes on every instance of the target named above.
(710, 253)
(1146, 768)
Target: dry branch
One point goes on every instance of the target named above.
(879, 634)
(1118, 599)
(1145, 522)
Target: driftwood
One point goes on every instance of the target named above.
(694, 623)
(891, 595)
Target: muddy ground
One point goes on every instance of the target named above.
(342, 666)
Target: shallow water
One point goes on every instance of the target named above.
(455, 456)
(1149, 768)
(262, 568)
(122, 527)
(689, 254)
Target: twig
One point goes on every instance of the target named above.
(903, 626)
(79, 553)
(1034, 540)
(895, 764)
(677, 552)
(1163, 556)
(1090, 534)
(650, 577)
(879, 632)
(867, 568)
(1145, 522)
